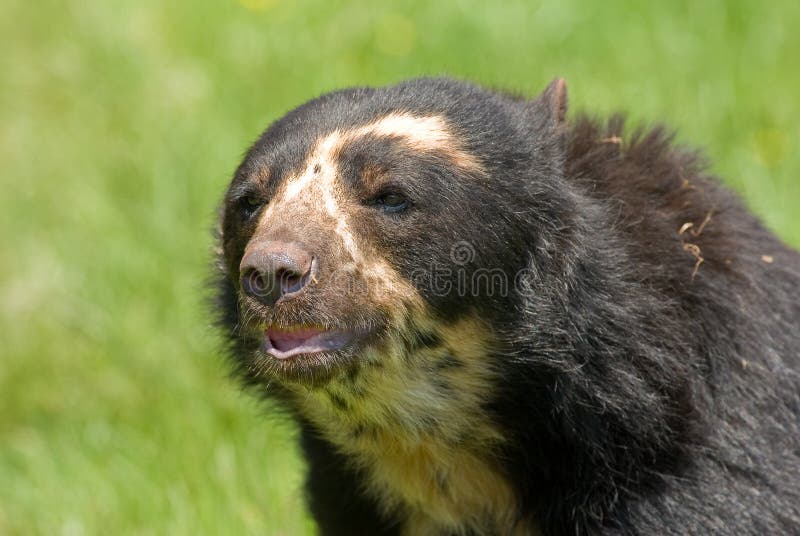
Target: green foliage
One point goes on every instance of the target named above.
(120, 124)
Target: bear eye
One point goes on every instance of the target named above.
(249, 205)
(392, 202)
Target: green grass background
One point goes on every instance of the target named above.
(120, 124)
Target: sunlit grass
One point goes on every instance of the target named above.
(120, 124)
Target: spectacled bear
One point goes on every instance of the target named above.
(489, 319)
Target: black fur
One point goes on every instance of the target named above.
(650, 369)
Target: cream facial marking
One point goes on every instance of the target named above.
(428, 133)
(318, 181)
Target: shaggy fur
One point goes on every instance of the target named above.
(638, 374)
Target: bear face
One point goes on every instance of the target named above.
(400, 215)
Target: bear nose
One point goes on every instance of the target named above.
(275, 270)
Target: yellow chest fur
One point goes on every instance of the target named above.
(440, 487)
(420, 436)
(436, 486)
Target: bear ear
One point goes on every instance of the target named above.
(553, 101)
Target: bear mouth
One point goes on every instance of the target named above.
(286, 342)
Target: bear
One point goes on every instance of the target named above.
(487, 318)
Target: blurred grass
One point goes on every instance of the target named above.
(120, 124)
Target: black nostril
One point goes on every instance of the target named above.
(290, 281)
(257, 285)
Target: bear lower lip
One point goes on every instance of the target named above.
(286, 342)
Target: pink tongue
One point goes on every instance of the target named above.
(289, 340)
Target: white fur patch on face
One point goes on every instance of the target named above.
(427, 133)
(318, 186)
